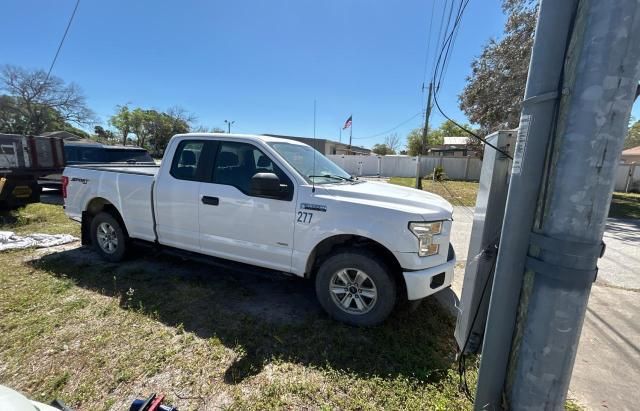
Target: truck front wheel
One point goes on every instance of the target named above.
(108, 237)
(356, 287)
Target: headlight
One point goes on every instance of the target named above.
(425, 232)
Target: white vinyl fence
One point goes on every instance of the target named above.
(456, 168)
(628, 178)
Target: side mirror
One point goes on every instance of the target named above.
(266, 185)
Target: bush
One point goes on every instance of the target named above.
(438, 174)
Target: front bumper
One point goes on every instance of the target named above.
(423, 283)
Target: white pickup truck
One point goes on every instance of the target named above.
(277, 204)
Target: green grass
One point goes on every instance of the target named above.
(40, 218)
(456, 192)
(625, 205)
(95, 335)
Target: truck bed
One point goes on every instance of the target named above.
(127, 187)
(145, 170)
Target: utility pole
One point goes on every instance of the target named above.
(581, 86)
(229, 123)
(423, 139)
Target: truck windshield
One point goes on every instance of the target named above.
(301, 158)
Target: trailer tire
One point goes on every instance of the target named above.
(108, 237)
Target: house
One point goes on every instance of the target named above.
(456, 147)
(631, 155)
(326, 146)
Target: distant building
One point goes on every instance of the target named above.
(631, 155)
(327, 147)
(455, 147)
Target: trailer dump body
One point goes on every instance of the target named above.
(22, 160)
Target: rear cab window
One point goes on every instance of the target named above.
(115, 155)
(193, 160)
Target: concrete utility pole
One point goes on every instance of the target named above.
(423, 141)
(566, 156)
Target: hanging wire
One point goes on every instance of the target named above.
(391, 129)
(64, 36)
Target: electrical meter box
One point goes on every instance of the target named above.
(485, 237)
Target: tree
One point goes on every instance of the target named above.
(140, 125)
(204, 129)
(153, 128)
(435, 137)
(450, 129)
(181, 117)
(121, 121)
(36, 103)
(382, 149)
(493, 94)
(633, 136)
(415, 145)
(393, 142)
(103, 135)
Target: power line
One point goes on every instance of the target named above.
(426, 55)
(64, 36)
(471, 133)
(435, 53)
(445, 51)
(452, 40)
(391, 129)
(441, 64)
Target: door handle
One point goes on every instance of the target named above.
(210, 200)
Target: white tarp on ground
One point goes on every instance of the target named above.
(10, 241)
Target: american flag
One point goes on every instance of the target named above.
(347, 123)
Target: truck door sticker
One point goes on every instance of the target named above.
(304, 217)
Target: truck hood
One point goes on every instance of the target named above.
(395, 197)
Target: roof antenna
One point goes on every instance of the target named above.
(313, 181)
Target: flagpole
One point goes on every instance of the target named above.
(350, 133)
(340, 140)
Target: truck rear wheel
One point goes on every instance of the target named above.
(356, 287)
(108, 237)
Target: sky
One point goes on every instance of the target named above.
(258, 63)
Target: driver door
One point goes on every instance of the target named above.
(237, 225)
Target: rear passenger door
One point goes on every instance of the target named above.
(177, 194)
(237, 225)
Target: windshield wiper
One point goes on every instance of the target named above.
(333, 176)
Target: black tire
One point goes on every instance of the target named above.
(379, 274)
(121, 244)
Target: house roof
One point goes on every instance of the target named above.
(454, 141)
(633, 151)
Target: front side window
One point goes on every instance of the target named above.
(237, 163)
(186, 161)
(320, 169)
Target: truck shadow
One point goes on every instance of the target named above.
(270, 317)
